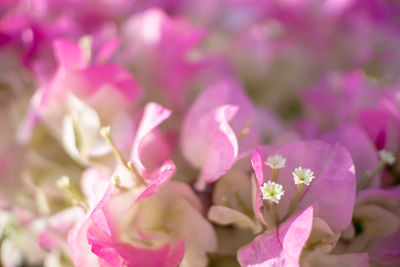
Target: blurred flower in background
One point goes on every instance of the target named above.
(199, 133)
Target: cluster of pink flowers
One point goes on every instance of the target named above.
(199, 133)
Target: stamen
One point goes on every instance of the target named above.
(272, 192)
(387, 158)
(241, 203)
(272, 213)
(226, 202)
(115, 180)
(301, 177)
(105, 132)
(74, 195)
(295, 200)
(275, 162)
(63, 182)
(85, 44)
(245, 131)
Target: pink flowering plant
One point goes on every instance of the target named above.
(199, 133)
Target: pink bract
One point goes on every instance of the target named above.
(280, 247)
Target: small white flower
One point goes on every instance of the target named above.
(303, 176)
(63, 182)
(272, 191)
(276, 161)
(387, 156)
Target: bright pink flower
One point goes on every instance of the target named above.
(81, 98)
(77, 76)
(134, 228)
(382, 122)
(338, 98)
(144, 224)
(157, 49)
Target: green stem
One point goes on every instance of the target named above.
(295, 201)
(105, 133)
(275, 173)
(241, 203)
(272, 213)
(368, 177)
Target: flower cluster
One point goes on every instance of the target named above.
(188, 133)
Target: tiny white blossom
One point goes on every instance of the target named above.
(387, 156)
(276, 161)
(115, 180)
(272, 191)
(303, 176)
(63, 182)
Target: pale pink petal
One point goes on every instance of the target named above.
(104, 235)
(257, 161)
(107, 50)
(387, 250)
(333, 188)
(218, 142)
(362, 150)
(226, 92)
(282, 246)
(79, 248)
(165, 173)
(68, 54)
(226, 216)
(153, 116)
(94, 184)
(316, 258)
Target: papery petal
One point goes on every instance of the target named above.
(107, 50)
(69, 55)
(332, 260)
(198, 233)
(386, 251)
(257, 163)
(218, 141)
(225, 92)
(153, 116)
(333, 189)
(358, 144)
(78, 245)
(94, 184)
(120, 254)
(322, 237)
(377, 221)
(281, 247)
(158, 45)
(337, 98)
(227, 216)
(165, 173)
(233, 187)
(105, 233)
